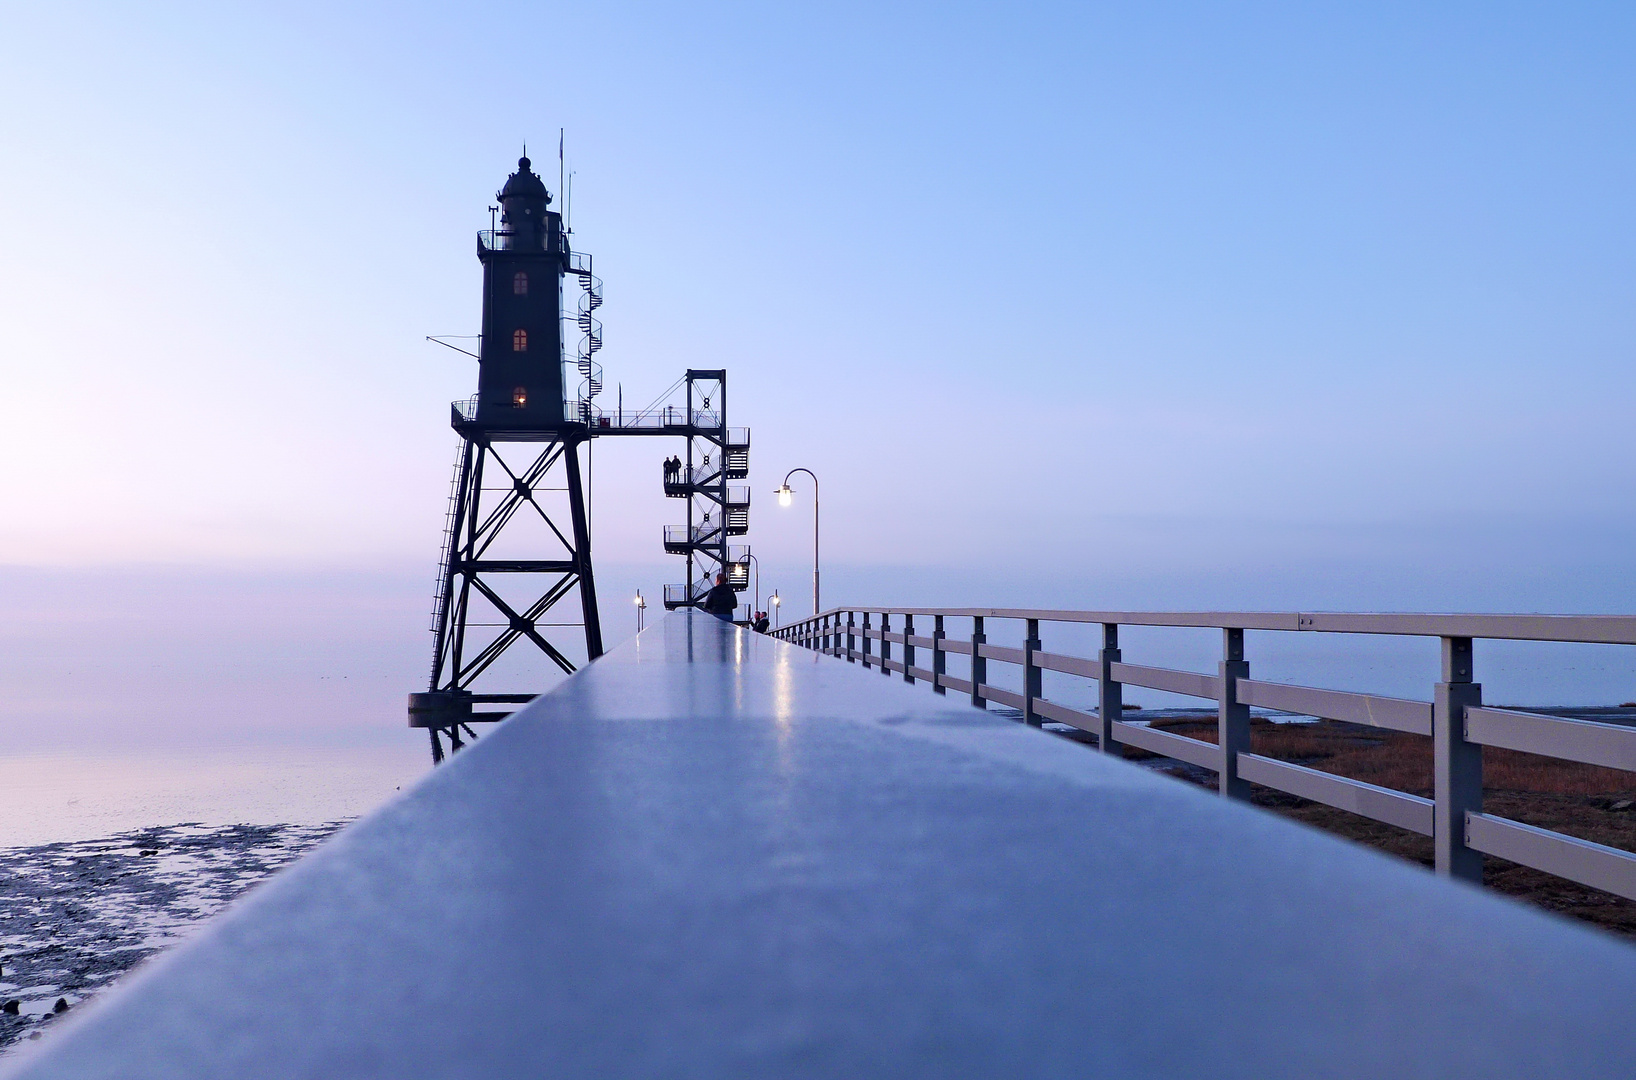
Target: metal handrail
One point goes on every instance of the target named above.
(574, 411)
(494, 240)
(1454, 717)
(670, 416)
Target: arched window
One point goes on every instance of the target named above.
(519, 284)
(519, 341)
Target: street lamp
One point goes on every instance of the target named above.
(641, 606)
(750, 558)
(784, 498)
(776, 600)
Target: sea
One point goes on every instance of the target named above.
(112, 857)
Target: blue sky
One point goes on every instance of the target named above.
(1311, 305)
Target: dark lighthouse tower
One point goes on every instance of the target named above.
(520, 377)
(517, 553)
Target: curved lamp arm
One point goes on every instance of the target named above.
(783, 493)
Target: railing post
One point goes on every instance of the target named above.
(979, 663)
(1032, 680)
(850, 639)
(1110, 692)
(885, 646)
(1232, 717)
(1457, 765)
(939, 657)
(866, 645)
(908, 649)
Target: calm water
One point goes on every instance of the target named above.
(82, 795)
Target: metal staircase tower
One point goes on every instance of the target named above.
(716, 510)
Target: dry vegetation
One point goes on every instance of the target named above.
(1586, 801)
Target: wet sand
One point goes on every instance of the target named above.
(75, 915)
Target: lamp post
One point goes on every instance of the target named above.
(750, 558)
(784, 497)
(775, 600)
(641, 607)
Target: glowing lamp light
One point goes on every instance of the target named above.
(785, 495)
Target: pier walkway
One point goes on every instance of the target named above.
(715, 854)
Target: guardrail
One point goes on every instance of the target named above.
(674, 418)
(1455, 718)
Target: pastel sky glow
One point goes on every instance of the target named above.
(1262, 304)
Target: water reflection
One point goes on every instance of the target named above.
(51, 797)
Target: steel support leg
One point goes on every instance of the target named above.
(582, 555)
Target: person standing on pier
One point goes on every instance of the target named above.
(721, 601)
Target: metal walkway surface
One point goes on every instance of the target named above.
(713, 854)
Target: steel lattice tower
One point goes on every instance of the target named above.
(517, 545)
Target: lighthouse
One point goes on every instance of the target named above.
(516, 566)
(520, 383)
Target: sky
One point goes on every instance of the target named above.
(1262, 305)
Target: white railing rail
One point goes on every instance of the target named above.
(1454, 718)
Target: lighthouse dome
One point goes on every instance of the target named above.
(524, 184)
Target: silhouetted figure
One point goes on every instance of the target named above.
(721, 601)
(760, 625)
(673, 469)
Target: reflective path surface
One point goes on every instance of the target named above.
(711, 854)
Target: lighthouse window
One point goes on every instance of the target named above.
(519, 397)
(519, 341)
(519, 284)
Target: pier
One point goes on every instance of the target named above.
(716, 853)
